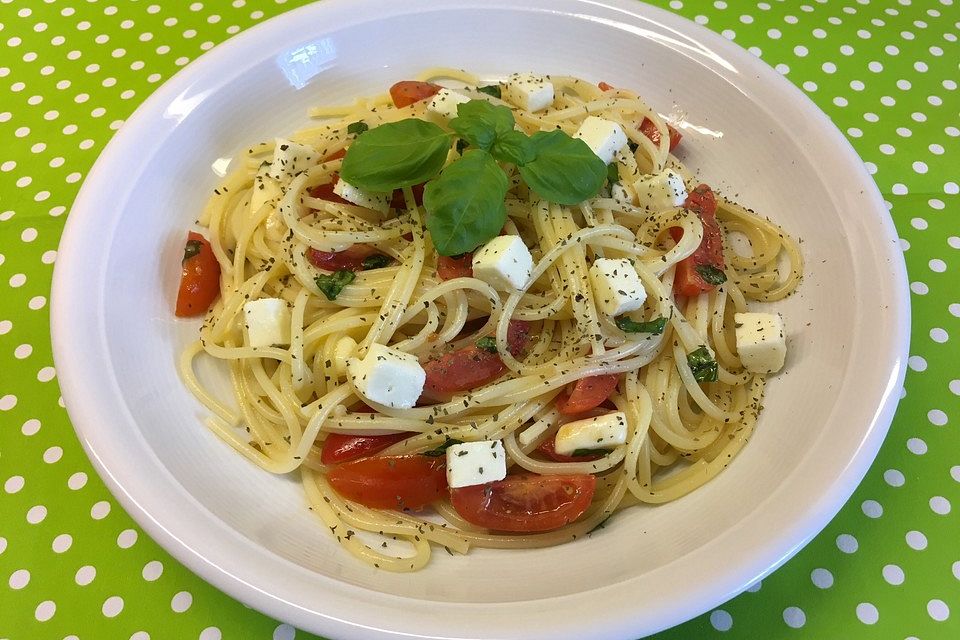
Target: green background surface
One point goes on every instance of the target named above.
(74, 565)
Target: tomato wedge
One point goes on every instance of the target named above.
(325, 191)
(391, 482)
(647, 127)
(199, 277)
(350, 258)
(548, 448)
(407, 92)
(587, 393)
(450, 267)
(338, 448)
(525, 503)
(470, 367)
(687, 281)
(398, 201)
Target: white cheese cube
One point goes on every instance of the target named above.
(661, 191)
(761, 341)
(265, 189)
(474, 463)
(527, 91)
(376, 201)
(504, 263)
(603, 432)
(290, 158)
(604, 137)
(267, 322)
(616, 286)
(620, 195)
(444, 104)
(388, 376)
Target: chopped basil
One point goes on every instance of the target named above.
(588, 452)
(702, 364)
(490, 90)
(489, 343)
(376, 261)
(442, 449)
(711, 274)
(333, 284)
(357, 127)
(191, 249)
(627, 325)
(613, 174)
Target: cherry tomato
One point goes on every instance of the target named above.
(548, 448)
(199, 277)
(406, 92)
(339, 448)
(687, 281)
(587, 393)
(325, 191)
(604, 86)
(398, 201)
(470, 367)
(525, 503)
(650, 130)
(450, 267)
(391, 482)
(350, 258)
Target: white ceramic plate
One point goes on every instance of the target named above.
(749, 132)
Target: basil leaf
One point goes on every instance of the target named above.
(465, 204)
(627, 325)
(490, 90)
(331, 285)
(461, 145)
(442, 449)
(481, 123)
(565, 170)
(711, 274)
(702, 364)
(357, 127)
(589, 452)
(191, 249)
(613, 174)
(513, 146)
(489, 343)
(375, 261)
(396, 154)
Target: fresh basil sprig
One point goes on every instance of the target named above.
(396, 154)
(702, 364)
(481, 123)
(628, 325)
(711, 274)
(564, 169)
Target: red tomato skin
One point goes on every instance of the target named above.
(407, 92)
(199, 280)
(325, 191)
(650, 130)
(548, 449)
(398, 201)
(391, 482)
(526, 503)
(604, 86)
(450, 267)
(587, 393)
(350, 258)
(470, 367)
(339, 448)
(687, 281)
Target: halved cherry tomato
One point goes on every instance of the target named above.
(391, 482)
(525, 503)
(199, 277)
(549, 449)
(650, 130)
(587, 393)
(350, 258)
(406, 92)
(336, 155)
(325, 191)
(339, 448)
(450, 267)
(470, 367)
(398, 201)
(687, 281)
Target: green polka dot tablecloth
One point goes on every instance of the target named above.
(73, 565)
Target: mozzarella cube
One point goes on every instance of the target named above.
(620, 195)
(473, 463)
(376, 201)
(444, 103)
(661, 191)
(291, 158)
(616, 286)
(504, 263)
(603, 137)
(603, 432)
(265, 189)
(527, 91)
(267, 322)
(388, 376)
(761, 341)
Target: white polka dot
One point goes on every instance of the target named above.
(938, 610)
(871, 508)
(46, 374)
(140, 635)
(77, 481)
(903, 85)
(917, 446)
(181, 601)
(13, 484)
(152, 570)
(920, 167)
(721, 620)
(794, 617)
(867, 613)
(821, 578)
(938, 334)
(23, 351)
(85, 575)
(847, 543)
(52, 455)
(30, 427)
(112, 606)
(937, 265)
(856, 85)
(935, 203)
(211, 633)
(284, 632)
(810, 85)
(887, 149)
(820, 34)
(875, 66)
(903, 132)
(45, 610)
(19, 579)
(955, 567)
(127, 538)
(36, 514)
(888, 101)
(800, 51)
(893, 574)
(951, 188)
(916, 540)
(847, 50)
(954, 309)
(829, 67)
(100, 510)
(729, 34)
(894, 478)
(8, 402)
(62, 542)
(940, 505)
(773, 34)
(37, 302)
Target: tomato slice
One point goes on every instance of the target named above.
(587, 393)
(687, 281)
(199, 277)
(325, 191)
(398, 201)
(338, 448)
(336, 155)
(350, 258)
(470, 367)
(525, 503)
(391, 482)
(650, 130)
(548, 448)
(406, 92)
(605, 86)
(450, 267)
